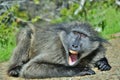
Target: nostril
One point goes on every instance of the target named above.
(75, 46)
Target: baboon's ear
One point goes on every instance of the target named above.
(63, 38)
(95, 45)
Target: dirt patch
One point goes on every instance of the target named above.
(113, 55)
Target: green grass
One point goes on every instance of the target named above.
(112, 21)
(6, 50)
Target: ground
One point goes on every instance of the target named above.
(113, 55)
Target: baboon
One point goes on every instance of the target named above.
(66, 49)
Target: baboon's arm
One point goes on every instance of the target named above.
(38, 68)
(21, 52)
(99, 60)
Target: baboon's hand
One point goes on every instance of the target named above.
(86, 71)
(103, 65)
(14, 71)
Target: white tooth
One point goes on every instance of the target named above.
(73, 52)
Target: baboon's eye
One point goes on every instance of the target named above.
(79, 33)
(76, 33)
(83, 35)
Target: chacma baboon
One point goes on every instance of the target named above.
(66, 49)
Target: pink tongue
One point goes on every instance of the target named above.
(73, 57)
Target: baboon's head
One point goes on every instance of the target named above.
(79, 40)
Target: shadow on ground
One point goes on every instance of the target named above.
(113, 55)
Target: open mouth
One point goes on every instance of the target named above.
(73, 57)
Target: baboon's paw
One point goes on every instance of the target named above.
(14, 72)
(86, 71)
(103, 65)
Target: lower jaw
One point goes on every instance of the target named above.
(73, 63)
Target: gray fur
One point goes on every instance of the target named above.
(42, 52)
